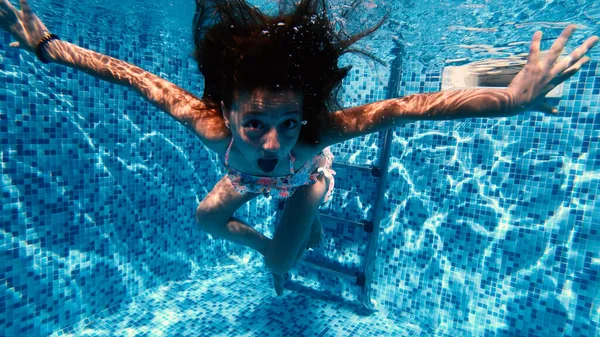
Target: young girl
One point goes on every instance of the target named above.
(269, 84)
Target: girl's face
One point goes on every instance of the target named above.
(265, 125)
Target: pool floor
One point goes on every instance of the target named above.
(239, 300)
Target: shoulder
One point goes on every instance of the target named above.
(208, 124)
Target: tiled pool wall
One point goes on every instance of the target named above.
(99, 188)
(489, 226)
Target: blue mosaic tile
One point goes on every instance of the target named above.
(238, 300)
(482, 215)
(80, 228)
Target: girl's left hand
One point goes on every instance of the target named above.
(22, 24)
(542, 74)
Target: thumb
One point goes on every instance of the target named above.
(15, 45)
(546, 108)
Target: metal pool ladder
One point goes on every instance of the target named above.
(363, 276)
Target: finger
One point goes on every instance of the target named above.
(15, 45)
(574, 57)
(546, 108)
(559, 45)
(534, 47)
(570, 71)
(7, 6)
(25, 7)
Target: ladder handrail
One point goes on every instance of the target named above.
(384, 163)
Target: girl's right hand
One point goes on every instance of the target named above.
(541, 74)
(22, 24)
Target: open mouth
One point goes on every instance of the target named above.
(267, 164)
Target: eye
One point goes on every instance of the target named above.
(290, 124)
(253, 124)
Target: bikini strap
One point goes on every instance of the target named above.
(292, 160)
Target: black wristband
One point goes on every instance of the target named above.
(42, 44)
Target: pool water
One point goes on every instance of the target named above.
(489, 227)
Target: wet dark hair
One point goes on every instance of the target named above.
(240, 48)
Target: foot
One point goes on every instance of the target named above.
(278, 281)
(315, 239)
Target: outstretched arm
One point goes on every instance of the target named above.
(525, 92)
(183, 106)
(168, 97)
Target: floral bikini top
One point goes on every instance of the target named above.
(282, 186)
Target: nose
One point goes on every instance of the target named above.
(271, 143)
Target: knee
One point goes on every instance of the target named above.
(201, 215)
(207, 219)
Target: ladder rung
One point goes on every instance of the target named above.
(338, 273)
(356, 223)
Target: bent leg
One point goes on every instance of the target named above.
(215, 216)
(292, 234)
(315, 239)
